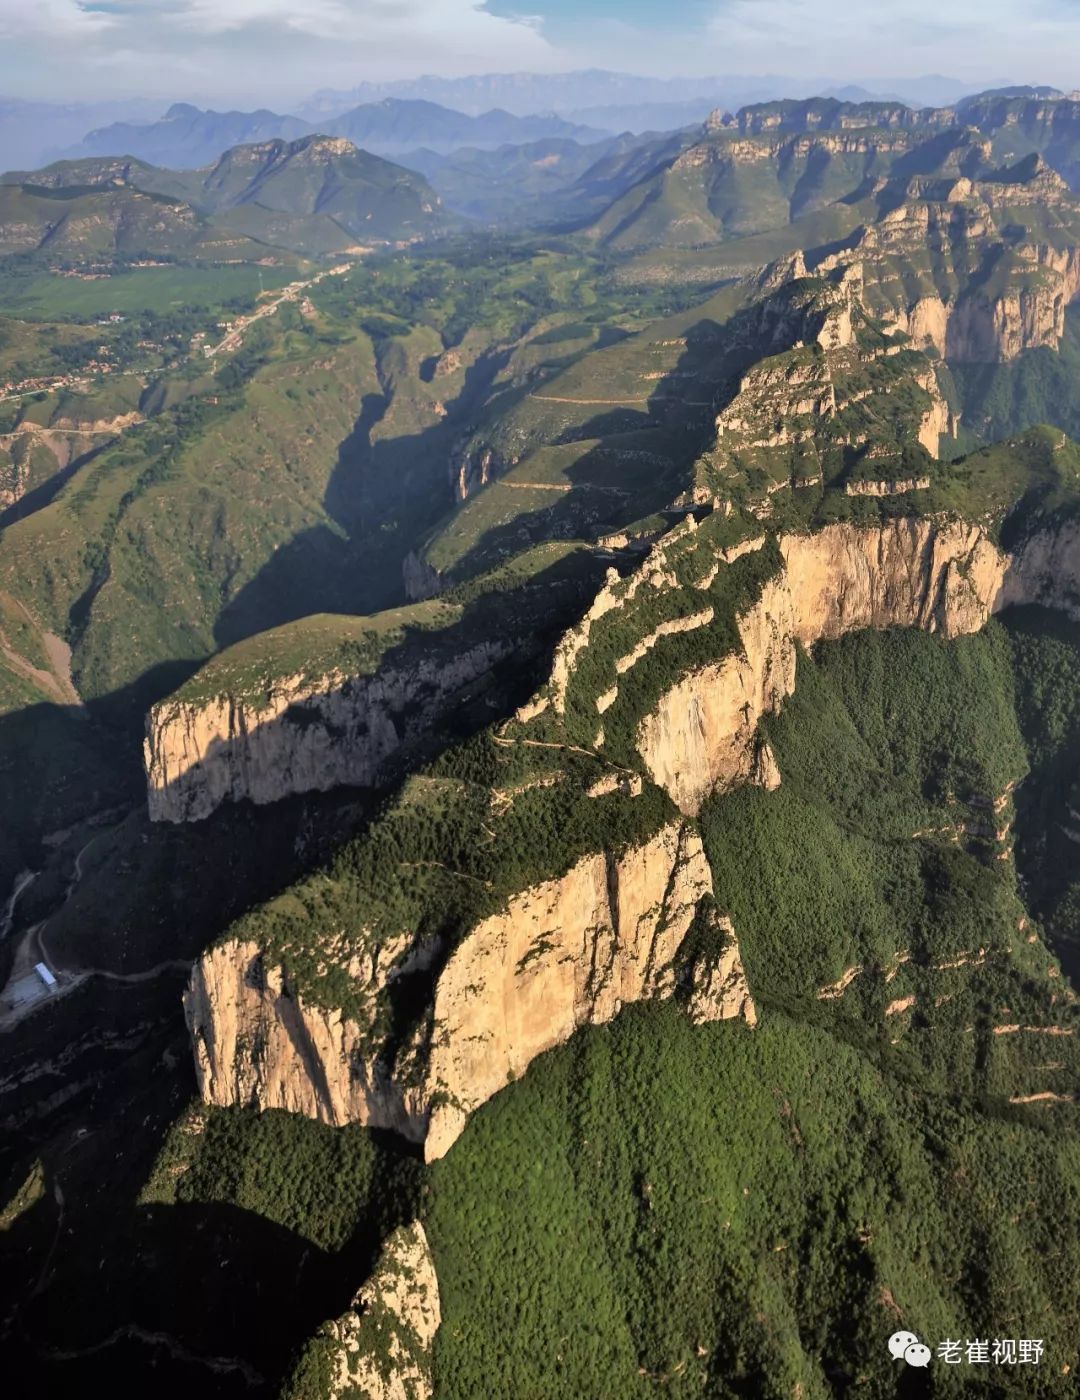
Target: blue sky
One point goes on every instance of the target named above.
(275, 50)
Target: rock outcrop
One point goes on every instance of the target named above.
(899, 487)
(381, 1348)
(420, 579)
(256, 1042)
(298, 735)
(941, 576)
(568, 952)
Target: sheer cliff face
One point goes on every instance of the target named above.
(565, 953)
(1046, 569)
(300, 736)
(257, 1043)
(944, 577)
(574, 949)
(969, 323)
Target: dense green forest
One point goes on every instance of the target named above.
(754, 1212)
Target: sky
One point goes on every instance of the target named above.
(275, 51)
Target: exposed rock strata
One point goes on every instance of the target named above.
(299, 736)
(565, 953)
(941, 576)
(888, 488)
(574, 949)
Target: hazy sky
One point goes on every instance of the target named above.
(281, 49)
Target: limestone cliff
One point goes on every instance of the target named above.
(567, 952)
(942, 576)
(299, 734)
(256, 1042)
(1045, 568)
(961, 265)
(381, 1348)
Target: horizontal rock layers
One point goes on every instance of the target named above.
(574, 949)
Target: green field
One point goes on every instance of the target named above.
(47, 296)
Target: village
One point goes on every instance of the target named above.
(82, 379)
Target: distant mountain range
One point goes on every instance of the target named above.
(546, 182)
(703, 184)
(187, 137)
(583, 95)
(734, 174)
(32, 132)
(317, 195)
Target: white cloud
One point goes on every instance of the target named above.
(62, 19)
(853, 38)
(275, 51)
(245, 48)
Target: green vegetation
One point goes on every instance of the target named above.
(755, 1211)
(325, 1184)
(442, 855)
(1037, 387)
(317, 647)
(749, 1212)
(164, 288)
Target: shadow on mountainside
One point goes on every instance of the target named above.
(644, 458)
(432, 689)
(48, 490)
(384, 494)
(99, 1282)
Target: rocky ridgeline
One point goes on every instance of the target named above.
(614, 926)
(567, 952)
(791, 398)
(945, 577)
(759, 149)
(1015, 296)
(381, 1348)
(574, 949)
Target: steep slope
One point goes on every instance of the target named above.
(316, 194)
(654, 698)
(940, 577)
(730, 184)
(704, 1173)
(1025, 122)
(1018, 121)
(79, 221)
(680, 916)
